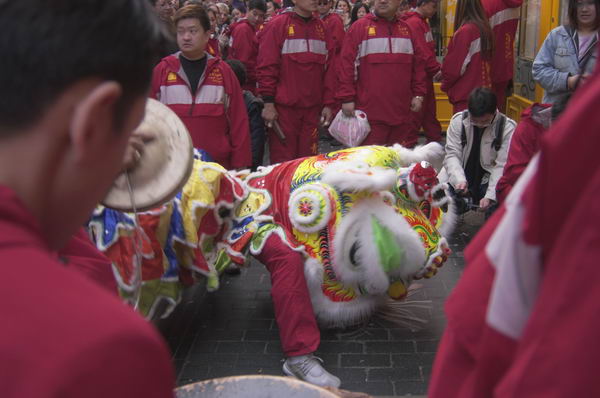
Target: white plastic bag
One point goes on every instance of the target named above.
(350, 131)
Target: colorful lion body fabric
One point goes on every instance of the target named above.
(369, 220)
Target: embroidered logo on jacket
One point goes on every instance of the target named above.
(215, 76)
(320, 32)
(403, 30)
(171, 77)
(372, 31)
(291, 31)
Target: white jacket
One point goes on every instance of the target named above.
(493, 162)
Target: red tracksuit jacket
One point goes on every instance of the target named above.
(504, 18)
(293, 61)
(216, 118)
(423, 39)
(63, 330)
(525, 143)
(335, 27)
(213, 47)
(464, 68)
(556, 351)
(243, 46)
(390, 69)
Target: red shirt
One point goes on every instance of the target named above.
(390, 69)
(62, 335)
(216, 117)
(464, 69)
(81, 253)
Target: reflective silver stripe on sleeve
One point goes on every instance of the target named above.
(317, 47)
(210, 94)
(381, 45)
(401, 45)
(374, 46)
(292, 46)
(503, 16)
(175, 94)
(474, 48)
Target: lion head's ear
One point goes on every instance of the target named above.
(310, 208)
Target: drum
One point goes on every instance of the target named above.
(253, 386)
(163, 168)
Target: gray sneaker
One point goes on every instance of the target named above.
(310, 369)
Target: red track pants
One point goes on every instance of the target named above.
(427, 116)
(383, 134)
(294, 314)
(300, 128)
(499, 88)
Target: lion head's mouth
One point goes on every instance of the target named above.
(373, 247)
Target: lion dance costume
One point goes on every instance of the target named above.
(366, 222)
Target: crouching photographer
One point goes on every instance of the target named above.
(477, 143)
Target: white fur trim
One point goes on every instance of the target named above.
(358, 176)
(412, 193)
(356, 227)
(449, 220)
(433, 153)
(335, 314)
(444, 200)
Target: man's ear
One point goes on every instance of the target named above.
(94, 118)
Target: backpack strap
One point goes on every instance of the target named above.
(463, 133)
(497, 143)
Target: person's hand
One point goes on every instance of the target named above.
(461, 187)
(572, 82)
(416, 104)
(135, 149)
(326, 116)
(269, 114)
(438, 76)
(485, 204)
(584, 78)
(348, 109)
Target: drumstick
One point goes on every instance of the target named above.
(278, 131)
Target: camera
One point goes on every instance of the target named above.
(462, 200)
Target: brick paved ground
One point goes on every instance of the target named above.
(233, 332)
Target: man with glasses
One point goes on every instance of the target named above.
(477, 143)
(334, 24)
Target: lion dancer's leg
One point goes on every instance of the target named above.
(294, 314)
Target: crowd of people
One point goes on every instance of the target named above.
(239, 74)
(299, 62)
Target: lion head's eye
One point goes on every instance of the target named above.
(310, 208)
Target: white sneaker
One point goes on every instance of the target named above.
(310, 369)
